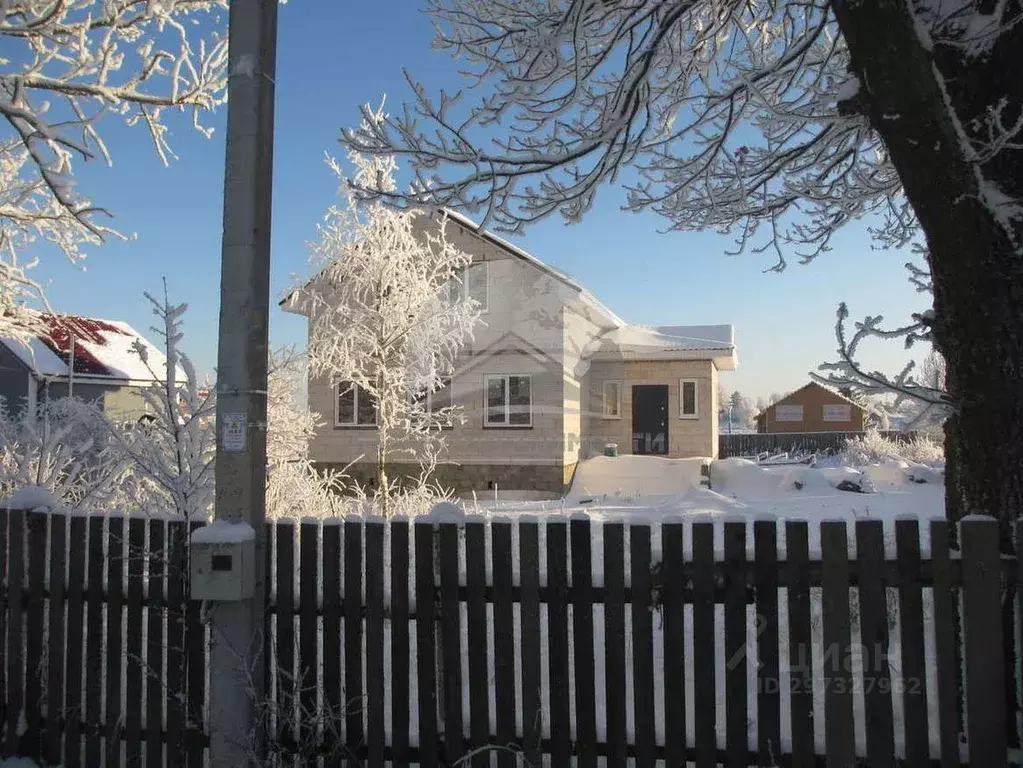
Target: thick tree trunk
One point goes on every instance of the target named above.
(976, 257)
(923, 99)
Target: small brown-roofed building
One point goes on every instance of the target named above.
(813, 408)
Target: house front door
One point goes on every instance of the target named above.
(650, 418)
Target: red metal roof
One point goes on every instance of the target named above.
(64, 328)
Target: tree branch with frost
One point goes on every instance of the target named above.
(388, 314)
(849, 372)
(69, 64)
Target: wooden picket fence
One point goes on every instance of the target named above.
(529, 643)
(109, 667)
(753, 444)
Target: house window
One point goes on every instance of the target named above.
(688, 402)
(788, 413)
(837, 413)
(472, 282)
(612, 399)
(509, 401)
(355, 406)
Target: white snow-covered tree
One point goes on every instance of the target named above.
(779, 122)
(64, 66)
(387, 317)
(294, 487)
(174, 447)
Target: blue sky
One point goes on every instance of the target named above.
(334, 56)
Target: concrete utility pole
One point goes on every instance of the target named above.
(237, 661)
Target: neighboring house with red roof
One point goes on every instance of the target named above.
(95, 360)
(551, 376)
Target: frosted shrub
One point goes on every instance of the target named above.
(875, 448)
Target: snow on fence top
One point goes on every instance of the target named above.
(223, 532)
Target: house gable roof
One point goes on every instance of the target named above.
(512, 343)
(793, 397)
(102, 350)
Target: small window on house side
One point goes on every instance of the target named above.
(471, 282)
(837, 413)
(509, 401)
(612, 399)
(688, 406)
(788, 413)
(355, 406)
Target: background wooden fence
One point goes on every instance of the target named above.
(420, 644)
(753, 444)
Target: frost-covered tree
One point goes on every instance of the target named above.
(779, 122)
(174, 446)
(387, 319)
(65, 65)
(742, 411)
(294, 487)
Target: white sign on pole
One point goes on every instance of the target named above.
(232, 432)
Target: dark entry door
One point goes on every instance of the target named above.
(650, 418)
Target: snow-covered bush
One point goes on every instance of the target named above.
(875, 448)
(65, 451)
(294, 487)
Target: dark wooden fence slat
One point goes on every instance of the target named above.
(333, 704)
(642, 647)
(673, 613)
(765, 543)
(15, 658)
(504, 640)
(451, 644)
(308, 630)
(134, 702)
(285, 671)
(355, 693)
(736, 661)
(704, 693)
(529, 580)
(476, 628)
(75, 643)
(5, 748)
(55, 643)
(375, 734)
(557, 642)
(426, 646)
(581, 542)
(945, 597)
(155, 626)
(175, 617)
(400, 712)
(195, 665)
(113, 654)
(94, 645)
(875, 641)
(911, 627)
(985, 663)
(800, 672)
(614, 643)
(35, 623)
(840, 745)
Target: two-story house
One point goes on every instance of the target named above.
(551, 377)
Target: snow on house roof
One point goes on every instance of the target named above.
(103, 349)
(684, 340)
